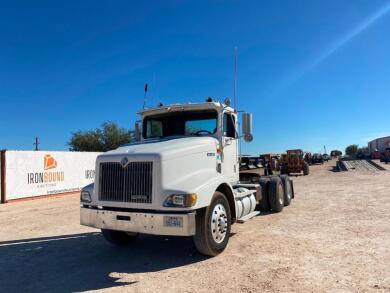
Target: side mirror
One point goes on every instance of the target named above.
(247, 126)
(138, 130)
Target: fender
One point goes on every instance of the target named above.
(89, 188)
(202, 182)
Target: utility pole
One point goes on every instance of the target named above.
(324, 149)
(36, 143)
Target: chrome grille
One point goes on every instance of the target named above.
(132, 183)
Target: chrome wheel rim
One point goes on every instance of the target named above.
(218, 223)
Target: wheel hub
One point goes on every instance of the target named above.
(219, 223)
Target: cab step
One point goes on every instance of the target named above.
(247, 217)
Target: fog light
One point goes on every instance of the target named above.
(181, 200)
(85, 196)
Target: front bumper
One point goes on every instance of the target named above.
(147, 223)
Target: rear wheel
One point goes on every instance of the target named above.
(119, 237)
(288, 194)
(276, 195)
(264, 202)
(213, 226)
(305, 168)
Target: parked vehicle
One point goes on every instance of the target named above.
(376, 155)
(361, 156)
(294, 162)
(270, 162)
(250, 162)
(335, 153)
(326, 157)
(182, 178)
(386, 156)
(307, 157)
(317, 159)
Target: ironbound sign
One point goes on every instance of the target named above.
(35, 173)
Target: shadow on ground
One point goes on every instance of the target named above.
(83, 262)
(264, 213)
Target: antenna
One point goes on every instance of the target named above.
(145, 95)
(235, 79)
(154, 90)
(238, 144)
(36, 143)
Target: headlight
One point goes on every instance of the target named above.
(85, 196)
(181, 200)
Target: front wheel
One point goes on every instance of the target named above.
(213, 226)
(119, 237)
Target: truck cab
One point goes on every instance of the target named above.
(180, 178)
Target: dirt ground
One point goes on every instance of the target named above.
(335, 237)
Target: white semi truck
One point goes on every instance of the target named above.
(180, 178)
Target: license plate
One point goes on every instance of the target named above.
(176, 222)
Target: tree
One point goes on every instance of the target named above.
(363, 150)
(351, 150)
(108, 137)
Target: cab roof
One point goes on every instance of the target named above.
(185, 107)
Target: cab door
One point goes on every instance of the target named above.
(230, 164)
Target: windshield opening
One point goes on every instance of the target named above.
(194, 123)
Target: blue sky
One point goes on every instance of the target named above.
(313, 73)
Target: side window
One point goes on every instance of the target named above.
(228, 125)
(154, 128)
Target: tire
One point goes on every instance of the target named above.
(306, 169)
(207, 242)
(118, 237)
(292, 188)
(284, 169)
(264, 202)
(276, 194)
(288, 194)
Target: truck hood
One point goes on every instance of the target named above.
(168, 148)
